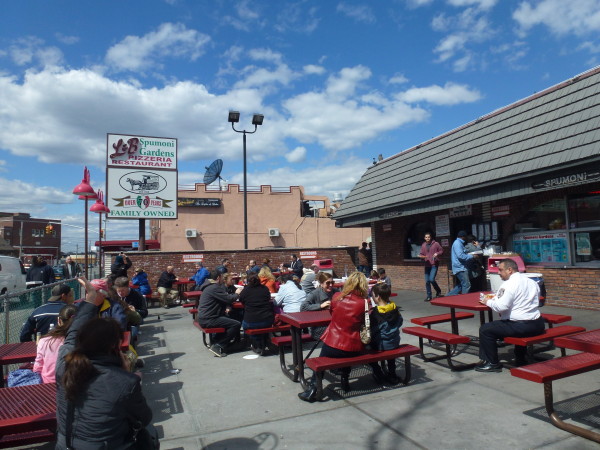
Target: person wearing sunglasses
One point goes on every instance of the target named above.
(319, 299)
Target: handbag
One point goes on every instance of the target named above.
(145, 438)
(365, 329)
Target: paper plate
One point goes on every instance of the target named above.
(250, 356)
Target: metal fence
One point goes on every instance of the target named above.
(15, 308)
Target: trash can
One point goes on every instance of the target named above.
(492, 269)
(324, 265)
(539, 279)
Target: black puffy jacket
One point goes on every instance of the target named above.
(112, 400)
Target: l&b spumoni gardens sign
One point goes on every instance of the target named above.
(141, 177)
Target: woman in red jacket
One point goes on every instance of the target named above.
(341, 339)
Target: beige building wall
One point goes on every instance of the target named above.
(222, 228)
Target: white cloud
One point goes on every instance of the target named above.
(339, 177)
(337, 119)
(297, 155)
(3, 166)
(20, 196)
(360, 13)
(67, 40)
(265, 54)
(298, 18)
(481, 4)
(581, 17)
(398, 79)
(418, 3)
(247, 16)
(465, 31)
(449, 94)
(168, 41)
(312, 69)
(31, 50)
(260, 77)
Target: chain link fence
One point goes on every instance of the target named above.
(16, 307)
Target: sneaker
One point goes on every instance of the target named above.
(439, 294)
(428, 299)
(166, 306)
(218, 350)
(393, 379)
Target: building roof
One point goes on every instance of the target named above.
(491, 158)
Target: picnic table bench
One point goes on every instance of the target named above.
(548, 335)
(322, 363)
(440, 318)
(548, 371)
(448, 339)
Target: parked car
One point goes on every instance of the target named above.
(58, 272)
(12, 275)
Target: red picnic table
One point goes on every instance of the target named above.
(298, 321)
(587, 341)
(27, 409)
(469, 302)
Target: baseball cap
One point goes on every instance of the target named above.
(100, 285)
(462, 233)
(58, 291)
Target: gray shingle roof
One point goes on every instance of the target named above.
(491, 158)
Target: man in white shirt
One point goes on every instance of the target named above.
(517, 301)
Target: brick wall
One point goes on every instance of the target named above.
(154, 263)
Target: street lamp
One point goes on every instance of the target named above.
(85, 191)
(100, 208)
(257, 119)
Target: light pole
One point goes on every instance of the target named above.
(100, 208)
(257, 119)
(85, 191)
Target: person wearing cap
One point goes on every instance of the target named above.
(120, 267)
(109, 307)
(460, 262)
(41, 318)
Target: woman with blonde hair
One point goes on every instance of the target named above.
(341, 339)
(267, 279)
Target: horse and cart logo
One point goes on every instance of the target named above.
(142, 182)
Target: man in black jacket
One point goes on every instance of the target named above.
(211, 312)
(39, 273)
(70, 268)
(41, 318)
(165, 287)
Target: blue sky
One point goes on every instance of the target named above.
(339, 82)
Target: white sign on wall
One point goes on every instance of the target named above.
(141, 194)
(139, 152)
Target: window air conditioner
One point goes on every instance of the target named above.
(191, 233)
(273, 232)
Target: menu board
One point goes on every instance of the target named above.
(551, 247)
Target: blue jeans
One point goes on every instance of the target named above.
(430, 273)
(363, 269)
(258, 340)
(463, 285)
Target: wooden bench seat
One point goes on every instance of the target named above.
(448, 339)
(322, 363)
(152, 298)
(440, 318)
(26, 438)
(208, 331)
(548, 335)
(548, 371)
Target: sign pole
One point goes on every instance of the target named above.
(142, 233)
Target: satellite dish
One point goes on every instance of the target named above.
(213, 172)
